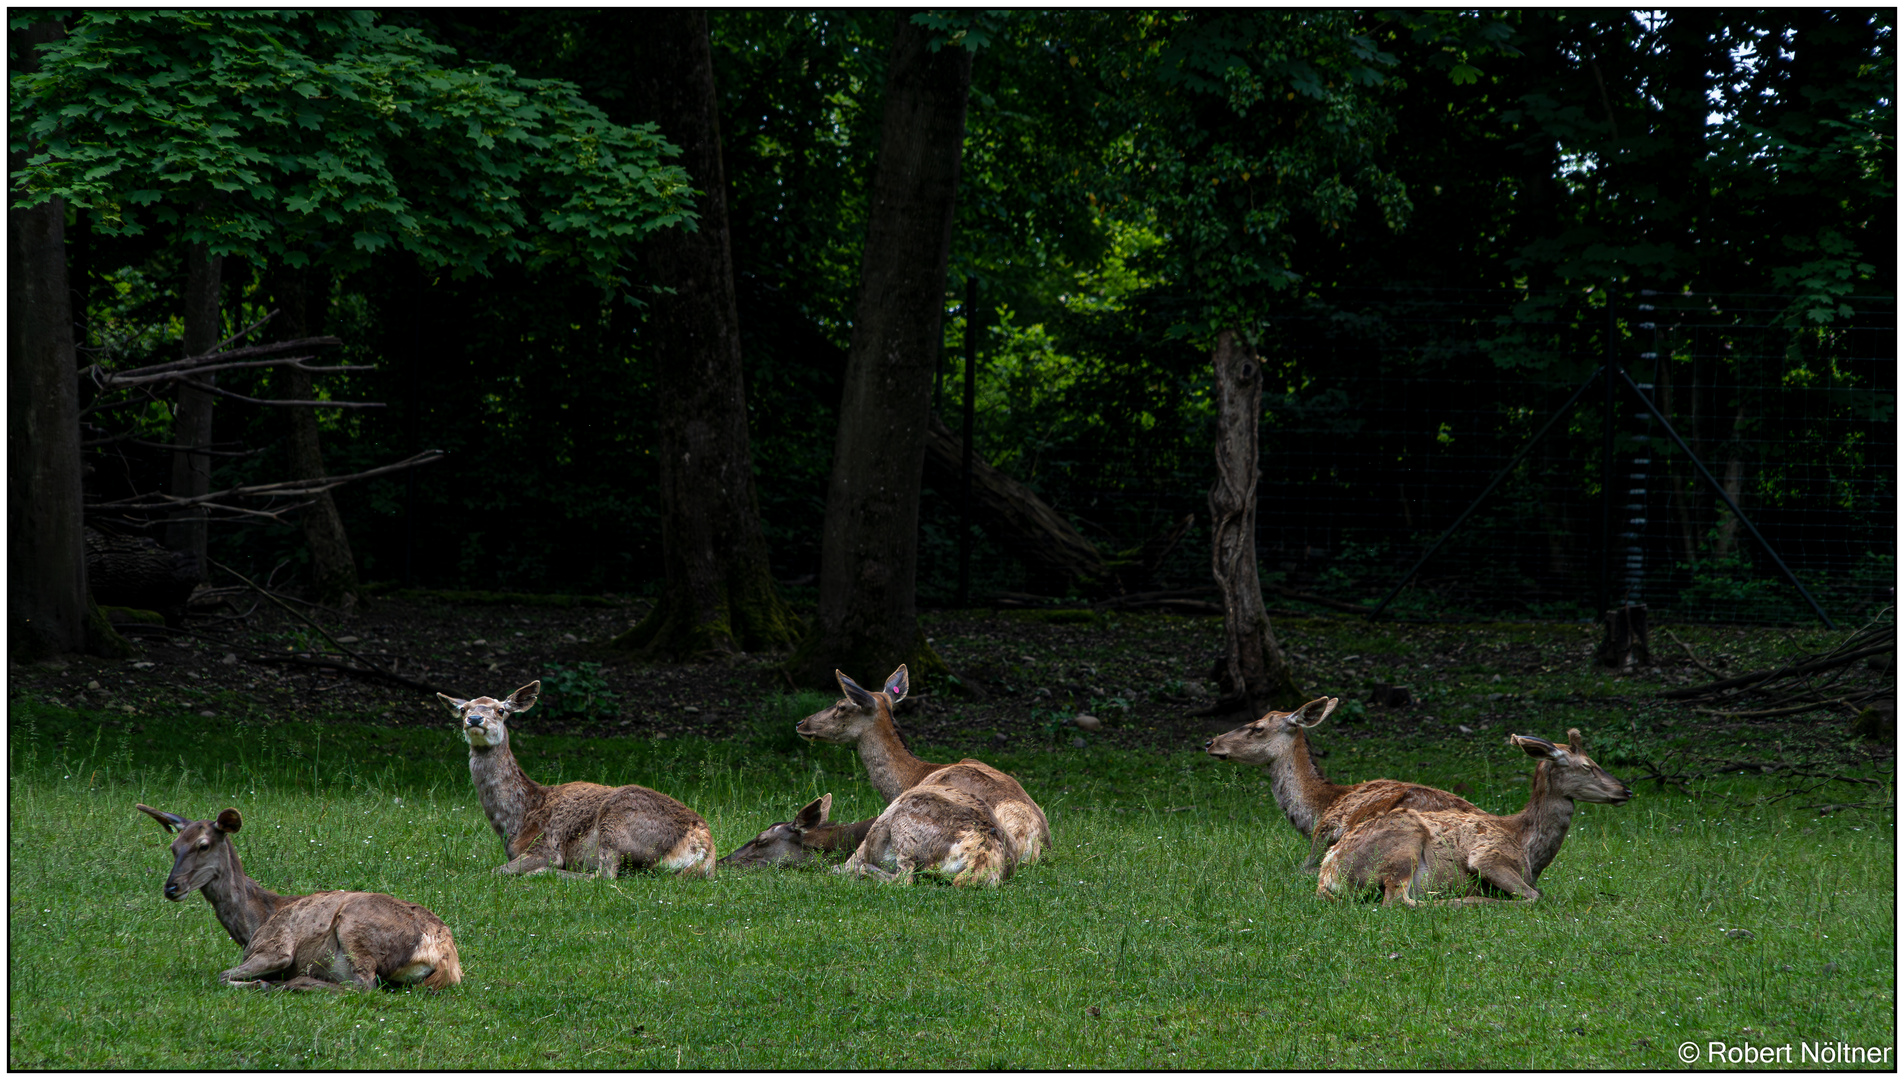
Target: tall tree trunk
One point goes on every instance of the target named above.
(192, 425)
(1252, 675)
(49, 610)
(301, 298)
(868, 620)
(720, 594)
(1727, 542)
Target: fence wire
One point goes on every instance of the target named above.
(1387, 412)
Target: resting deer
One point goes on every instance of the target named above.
(577, 824)
(935, 828)
(864, 718)
(1413, 852)
(324, 941)
(1318, 809)
(809, 836)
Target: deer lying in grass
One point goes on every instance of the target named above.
(577, 824)
(324, 941)
(1318, 809)
(864, 718)
(1456, 852)
(936, 828)
(809, 836)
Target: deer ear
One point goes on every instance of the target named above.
(172, 822)
(1574, 742)
(813, 814)
(854, 692)
(524, 698)
(1536, 747)
(896, 685)
(451, 703)
(228, 821)
(1315, 712)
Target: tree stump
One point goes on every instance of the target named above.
(1626, 643)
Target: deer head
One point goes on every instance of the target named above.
(848, 718)
(202, 852)
(1570, 772)
(1270, 738)
(784, 843)
(483, 717)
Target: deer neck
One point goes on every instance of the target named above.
(840, 837)
(508, 795)
(241, 904)
(1299, 786)
(1543, 822)
(891, 766)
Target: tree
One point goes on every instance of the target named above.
(302, 295)
(1240, 123)
(719, 594)
(192, 425)
(868, 617)
(324, 138)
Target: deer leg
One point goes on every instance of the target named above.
(525, 864)
(252, 971)
(904, 874)
(1506, 879)
(306, 982)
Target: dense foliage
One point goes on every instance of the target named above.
(1429, 271)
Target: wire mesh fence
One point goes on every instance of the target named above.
(1387, 413)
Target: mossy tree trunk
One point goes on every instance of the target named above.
(1253, 675)
(868, 619)
(720, 594)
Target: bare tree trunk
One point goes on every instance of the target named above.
(49, 610)
(333, 569)
(1253, 674)
(868, 620)
(1734, 479)
(192, 426)
(720, 594)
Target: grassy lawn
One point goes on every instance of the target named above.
(1168, 929)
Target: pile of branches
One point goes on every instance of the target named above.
(1808, 777)
(1817, 681)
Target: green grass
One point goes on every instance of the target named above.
(1169, 928)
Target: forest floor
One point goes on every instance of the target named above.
(1144, 676)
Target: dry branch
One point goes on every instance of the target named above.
(160, 500)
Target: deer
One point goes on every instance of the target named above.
(1410, 852)
(808, 837)
(940, 829)
(332, 940)
(864, 718)
(1317, 808)
(578, 824)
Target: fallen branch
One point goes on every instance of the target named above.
(215, 389)
(1851, 701)
(105, 378)
(1311, 598)
(338, 665)
(1755, 678)
(369, 668)
(1692, 655)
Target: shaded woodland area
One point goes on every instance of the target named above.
(676, 305)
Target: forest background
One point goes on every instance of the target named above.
(1428, 229)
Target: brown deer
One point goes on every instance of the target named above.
(324, 941)
(1318, 809)
(808, 837)
(935, 828)
(864, 718)
(577, 824)
(1456, 853)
